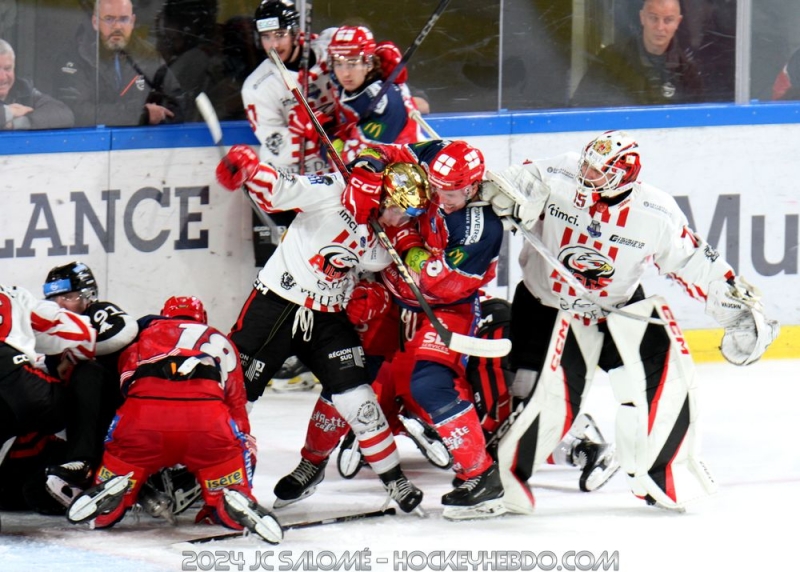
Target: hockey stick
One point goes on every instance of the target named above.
(206, 109)
(417, 117)
(298, 525)
(458, 342)
(304, 67)
(387, 83)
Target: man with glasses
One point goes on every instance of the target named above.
(116, 78)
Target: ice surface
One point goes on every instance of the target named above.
(749, 419)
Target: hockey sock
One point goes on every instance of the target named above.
(325, 428)
(463, 436)
(360, 409)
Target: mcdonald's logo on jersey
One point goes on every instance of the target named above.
(373, 129)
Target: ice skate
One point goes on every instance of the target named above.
(65, 482)
(427, 441)
(292, 376)
(402, 491)
(596, 458)
(299, 484)
(156, 503)
(99, 499)
(478, 497)
(350, 460)
(252, 516)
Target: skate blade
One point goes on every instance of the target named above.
(434, 451)
(265, 526)
(349, 463)
(87, 507)
(56, 487)
(280, 503)
(487, 509)
(598, 478)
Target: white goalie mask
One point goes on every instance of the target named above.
(608, 165)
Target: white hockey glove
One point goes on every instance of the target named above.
(516, 193)
(736, 305)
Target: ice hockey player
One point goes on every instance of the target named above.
(458, 239)
(355, 63)
(32, 400)
(184, 404)
(95, 382)
(282, 126)
(596, 228)
(296, 306)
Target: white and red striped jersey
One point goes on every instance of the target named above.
(36, 327)
(317, 257)
(609, 247)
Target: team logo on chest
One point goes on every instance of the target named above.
(592, 268)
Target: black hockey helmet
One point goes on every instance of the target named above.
(72, 277)
(276, 15)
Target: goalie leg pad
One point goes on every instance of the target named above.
(656, 426)
(558, 393)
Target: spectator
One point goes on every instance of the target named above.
(23, 106)
(115, 78)
(651, 69)
(787, 83)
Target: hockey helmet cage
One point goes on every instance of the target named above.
(613, 154)
(72, 277)
(352, 42)
(276, 15)
(188, 307)
(456, 166)
(406, 186)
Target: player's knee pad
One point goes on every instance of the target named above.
(359, 407)
(656, 423)
(213, 479)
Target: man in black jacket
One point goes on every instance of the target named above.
(115, 78)
(21, 105)
(650, 69)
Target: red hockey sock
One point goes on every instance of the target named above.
(463, 436)
(325, 428)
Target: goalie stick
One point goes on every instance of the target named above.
(206, 109)
(457, 342)
(407, 56)
(304, 524)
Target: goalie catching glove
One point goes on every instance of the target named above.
(736, 306)
(518, 193)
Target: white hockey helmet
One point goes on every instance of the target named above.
(609, 165)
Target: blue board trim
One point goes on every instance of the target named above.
(447, 125)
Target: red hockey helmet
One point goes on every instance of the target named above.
(609, 164)
(457, 166)
(185, 307)
(352, 42)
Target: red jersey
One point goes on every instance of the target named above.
(184, 360)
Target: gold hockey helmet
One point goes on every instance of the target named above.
(406, 185)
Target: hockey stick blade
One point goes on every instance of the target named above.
(298, 525)
(206, 109)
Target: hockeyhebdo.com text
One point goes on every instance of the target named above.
(400, 561)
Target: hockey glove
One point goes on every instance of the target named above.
(362, 196)
(237, 167)
(736, 305)
(301, 125)
(390, 56)
(368, 301)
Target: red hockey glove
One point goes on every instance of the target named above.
(301, 125)
(368, 301)
(237, 167)
(362, 196)
(390, 57)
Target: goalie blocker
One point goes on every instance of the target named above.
(653, 379)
